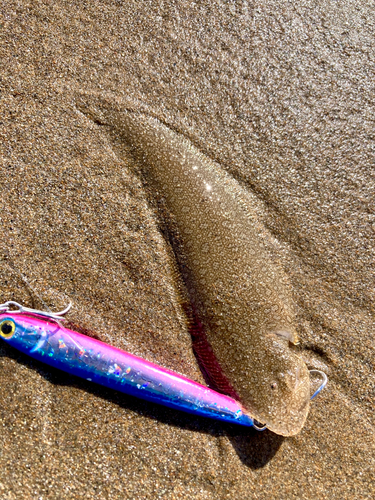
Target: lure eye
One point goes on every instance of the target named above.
(7, 328)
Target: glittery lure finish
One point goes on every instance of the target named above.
(98, 362)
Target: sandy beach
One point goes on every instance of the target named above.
(282, 98)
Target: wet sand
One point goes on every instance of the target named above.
(283, 99)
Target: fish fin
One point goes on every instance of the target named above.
(208, 363)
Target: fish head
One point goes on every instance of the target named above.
(282, 393)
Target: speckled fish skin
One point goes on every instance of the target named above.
(103, 364)
(237, 292)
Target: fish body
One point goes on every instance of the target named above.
(93, 360)
(238, 294)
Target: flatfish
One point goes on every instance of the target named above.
(241, 303)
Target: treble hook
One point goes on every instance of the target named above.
(6, 307)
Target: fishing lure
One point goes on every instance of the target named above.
(40, 335)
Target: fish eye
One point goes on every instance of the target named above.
(273, 385)
(7, 328)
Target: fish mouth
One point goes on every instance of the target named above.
(291, 418)
(284, 419)
(291, 421)
(295, 418)
(287, 414)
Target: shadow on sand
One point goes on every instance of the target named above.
(255, 449)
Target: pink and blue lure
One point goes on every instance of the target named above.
(39, 335)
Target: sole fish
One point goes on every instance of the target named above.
(237, 292)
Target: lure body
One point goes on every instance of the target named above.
(93, 360)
